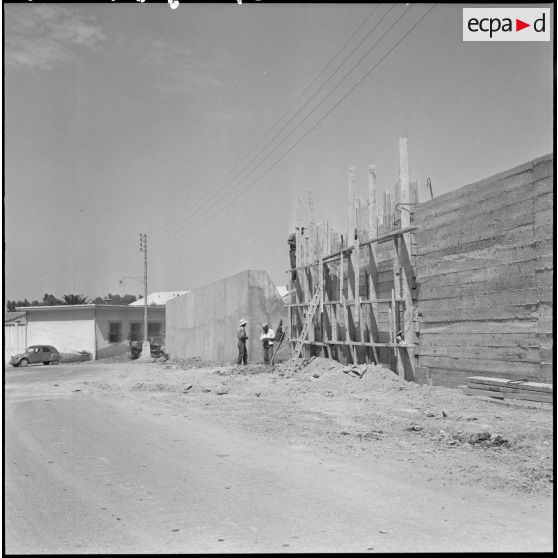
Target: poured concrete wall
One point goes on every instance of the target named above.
(484, 271)
(203, 323)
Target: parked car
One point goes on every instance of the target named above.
(36, 354)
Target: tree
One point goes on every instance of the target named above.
(50, 300)
(11, 304)
(115, 299)
(73, 299)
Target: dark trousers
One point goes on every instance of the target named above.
(268, 352)
(242, 353)
(292, 256)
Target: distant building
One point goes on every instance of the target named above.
(15, 334)
(160, 298)
(101, 329)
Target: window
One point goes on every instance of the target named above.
(136, 331)
(155, 330)
(115, 332)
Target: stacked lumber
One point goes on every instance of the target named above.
(501, 388)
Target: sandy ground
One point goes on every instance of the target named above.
(437, 433)
(97, 461)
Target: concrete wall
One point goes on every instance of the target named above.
(484, 279)
(68, 331)
(204, 322)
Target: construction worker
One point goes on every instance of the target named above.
(242, 351)
(292, 254)
(267, 337)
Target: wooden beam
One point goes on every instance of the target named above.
(383, 238)
(388, 219)
(404, 251)
(299, 235)
(354, 343)
(351, 207)
(499, 395)
(404, 181)
(372, 217)
(503, 382)
(356, 294)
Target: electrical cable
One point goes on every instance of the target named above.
(117, 251)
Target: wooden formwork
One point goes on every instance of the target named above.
(365, 278)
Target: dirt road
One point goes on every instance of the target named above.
(130, 457)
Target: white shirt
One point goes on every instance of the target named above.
(270, 336)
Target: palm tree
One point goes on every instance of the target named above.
(75, 299)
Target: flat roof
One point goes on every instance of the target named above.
(68, 307)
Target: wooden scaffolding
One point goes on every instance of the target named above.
(352, 295)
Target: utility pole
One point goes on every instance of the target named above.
(146, 346)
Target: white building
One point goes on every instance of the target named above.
(100, 329)
(159, 298)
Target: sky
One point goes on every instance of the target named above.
(201, 125)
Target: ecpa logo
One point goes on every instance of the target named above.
(506, 24)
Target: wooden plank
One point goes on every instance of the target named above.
(482, 327)
(507, 312)
(518, 354)
(496, 185)
(356, 343)
(351, 207)
(379, 240)
(434, 263)
(404, 180)
(528, 295)
(475, 274)
(505, 390)
(504, 283)
(500, 395)
(447, 338)
(497, 215)
(450, 241)
(480, 207)
(372, 217)
(503, 382)
(521, 369)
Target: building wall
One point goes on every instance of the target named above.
(125, 316)
(15, 339)
(67, 331)
(484, 279)
(204, 322)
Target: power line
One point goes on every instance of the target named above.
(187, 232)
(209, 198)
(122, 247)
(200, 214)
(322, 118)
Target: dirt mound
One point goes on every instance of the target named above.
(192, 362)
(245, 370)
(374, 376)
(145, 386)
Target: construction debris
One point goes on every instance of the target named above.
(355, 370)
